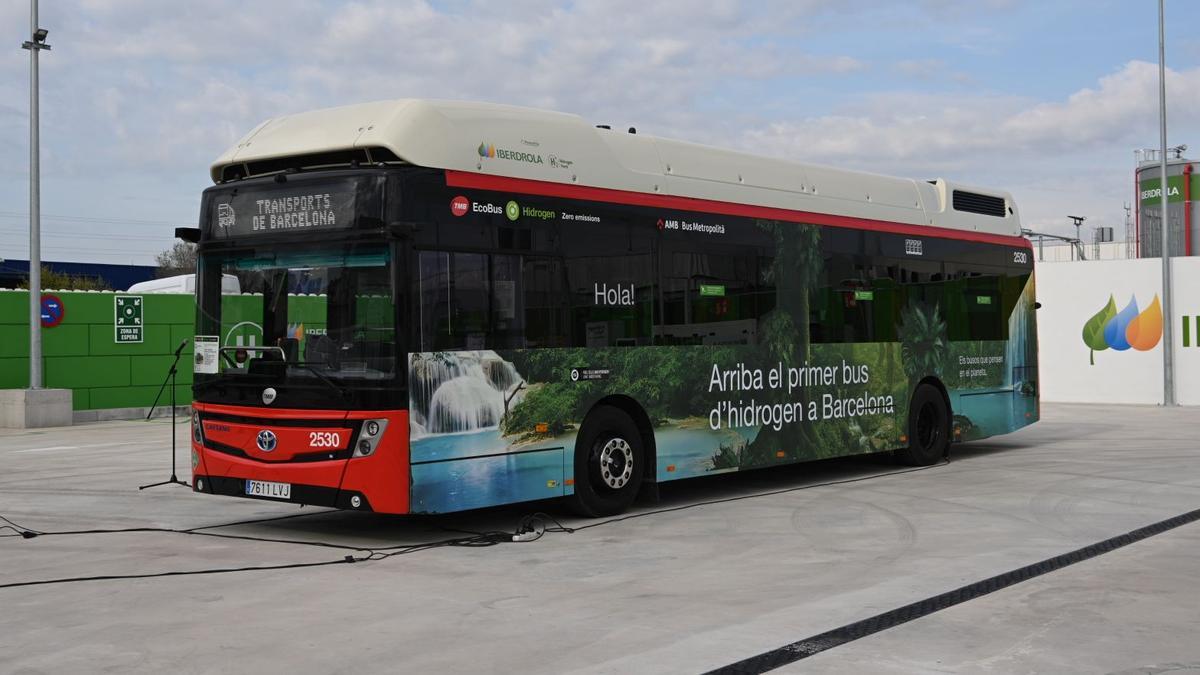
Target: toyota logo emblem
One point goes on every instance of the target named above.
(266, 440)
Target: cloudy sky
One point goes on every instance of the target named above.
(1046, 98)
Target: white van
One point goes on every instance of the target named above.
(184, 283)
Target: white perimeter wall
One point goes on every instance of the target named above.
(1072, 293)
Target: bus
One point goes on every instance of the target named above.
(451, 305)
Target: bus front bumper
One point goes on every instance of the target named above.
(377, 482)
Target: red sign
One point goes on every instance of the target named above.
(53, 311)
(459, 205)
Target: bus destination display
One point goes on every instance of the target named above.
(301, 208)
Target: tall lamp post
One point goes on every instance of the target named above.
(35, 44)
(1168, 315)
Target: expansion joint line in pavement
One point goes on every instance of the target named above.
(802, 649)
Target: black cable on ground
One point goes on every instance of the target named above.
(534, 523)
(115, 577)
(530, 528)
(30, 533)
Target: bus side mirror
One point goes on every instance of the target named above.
(189, 234)
(1037, 305)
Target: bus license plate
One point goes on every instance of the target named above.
(262, 488)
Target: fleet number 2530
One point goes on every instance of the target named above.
(324, 439)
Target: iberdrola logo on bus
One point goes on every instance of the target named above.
(489, 150)
(1110, 329)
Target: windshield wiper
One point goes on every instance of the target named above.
(312, 369)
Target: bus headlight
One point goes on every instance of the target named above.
(197, 430)
(368, 439)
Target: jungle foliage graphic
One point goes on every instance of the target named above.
(729, 407)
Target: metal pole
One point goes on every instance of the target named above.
(1168, 315)
(35, 215)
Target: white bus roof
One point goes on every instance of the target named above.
(515, 142)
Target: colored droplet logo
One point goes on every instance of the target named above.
(1120, 331)
(1093, 330)
(1145, 330)
(486, 150)
(1114, 329)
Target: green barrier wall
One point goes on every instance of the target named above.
(81, 353)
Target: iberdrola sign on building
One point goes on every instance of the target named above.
(1149, 190)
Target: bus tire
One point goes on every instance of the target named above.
(610, 457)
(928, 428)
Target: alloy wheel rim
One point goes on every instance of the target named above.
(613, 463)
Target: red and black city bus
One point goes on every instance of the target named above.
(446, 306)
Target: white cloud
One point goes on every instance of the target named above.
(1072, 155)
(141, 93)
(948, 130)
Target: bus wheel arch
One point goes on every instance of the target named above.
(616, 432)
(929, 426)
(936, 383)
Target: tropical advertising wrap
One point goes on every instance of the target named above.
(493, 426)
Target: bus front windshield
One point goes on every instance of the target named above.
(325, 314)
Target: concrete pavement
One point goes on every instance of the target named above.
(682, 591)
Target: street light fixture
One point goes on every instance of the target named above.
(37, 44)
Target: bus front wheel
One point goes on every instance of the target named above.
(609, 461)
(928, 428)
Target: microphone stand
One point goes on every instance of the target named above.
(173, 480)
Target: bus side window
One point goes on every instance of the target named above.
(975, 307)
(453, 307)
(917, 287)
(851, 302)
(545, 304)
(711, 298)
(470, 301)
(507, 325)
(609, 272)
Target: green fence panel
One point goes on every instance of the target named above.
(14, 340)
(152, 369)
(82, 354)
(73, 372)
(14, 372)
(62, 340)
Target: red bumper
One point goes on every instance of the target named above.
(310, 450)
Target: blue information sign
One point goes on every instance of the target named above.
(53, 311)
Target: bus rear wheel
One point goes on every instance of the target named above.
(609, 460)
(928, 428)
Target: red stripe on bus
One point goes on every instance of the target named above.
(463, 179)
